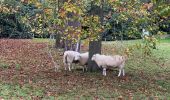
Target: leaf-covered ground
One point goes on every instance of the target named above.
(27, 72)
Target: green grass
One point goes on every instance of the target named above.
(16, 92)
(167, 40)
(41, 40)
(150, 72)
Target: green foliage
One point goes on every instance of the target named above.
(11, 24)
(128, 18)
(69, 20)
(42, 18)
(162, 7)
(94, 27)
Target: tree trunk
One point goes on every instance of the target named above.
(94, 47)
(78, 45)
(58, 35)
(59, 43)
(57, 40)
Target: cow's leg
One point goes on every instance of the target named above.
(104, 71)
(69, 67)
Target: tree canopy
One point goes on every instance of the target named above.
(45, 16)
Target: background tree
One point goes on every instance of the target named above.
(12, 25)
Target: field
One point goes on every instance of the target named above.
(27, 72)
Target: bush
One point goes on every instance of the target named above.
(10, 27)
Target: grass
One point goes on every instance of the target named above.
(146, 77)
(16, 92)
(40, 40)
(166, 40)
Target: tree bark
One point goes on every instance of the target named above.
(95, 46)
(58, 36)
(78, 45)
(57, 40)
